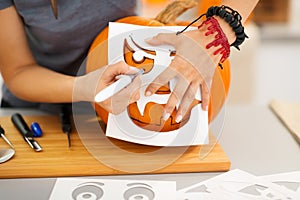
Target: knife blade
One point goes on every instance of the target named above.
(2, 134)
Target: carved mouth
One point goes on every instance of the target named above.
(155, 98)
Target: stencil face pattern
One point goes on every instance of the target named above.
(105, 189)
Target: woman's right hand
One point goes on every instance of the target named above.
(87, 86)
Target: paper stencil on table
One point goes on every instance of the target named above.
(236, 185)
(104, 189)
(193, 132)
(233, 185)
(288, 180)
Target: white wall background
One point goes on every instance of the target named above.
(268, 66)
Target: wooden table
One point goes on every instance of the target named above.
(94, 154)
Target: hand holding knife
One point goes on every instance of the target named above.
(27, 134)
(123, 81)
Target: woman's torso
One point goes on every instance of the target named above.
(61, 44)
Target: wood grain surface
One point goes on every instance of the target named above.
(92, 153)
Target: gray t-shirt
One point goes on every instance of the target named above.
(62, 44)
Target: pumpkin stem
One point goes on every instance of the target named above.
(174, 10)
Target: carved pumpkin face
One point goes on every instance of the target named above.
(148, 115)
(219, 87)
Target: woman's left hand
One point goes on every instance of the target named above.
(193, 66)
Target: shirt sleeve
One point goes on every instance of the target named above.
(6, 3)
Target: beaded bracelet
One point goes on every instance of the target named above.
(232, 17)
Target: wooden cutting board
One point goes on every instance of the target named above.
(101, 156)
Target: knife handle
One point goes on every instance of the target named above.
(64, 115)
(21, 125)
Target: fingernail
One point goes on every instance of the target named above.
(137, 96)
(148, 93)
(118, 77)
(134, 70)
(178, 118)
(206, 108)
(148, 39)
(166, 115)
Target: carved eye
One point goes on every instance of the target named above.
(136, 56)
(88, 191)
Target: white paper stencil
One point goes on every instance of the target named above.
(194, 132)
(236, 185)
(288, 180)
(104, 189)
(233, 185)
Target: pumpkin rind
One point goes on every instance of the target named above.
(219, 88)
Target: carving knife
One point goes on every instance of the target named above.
(2, 134)
(65, 120)
(27, 134)
(114, 88)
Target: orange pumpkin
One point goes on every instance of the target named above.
(152, 118)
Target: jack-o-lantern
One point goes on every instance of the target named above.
(151, 118)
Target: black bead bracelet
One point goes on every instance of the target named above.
(233, 18)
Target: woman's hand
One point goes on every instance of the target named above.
(193, 66)
(87, 86)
